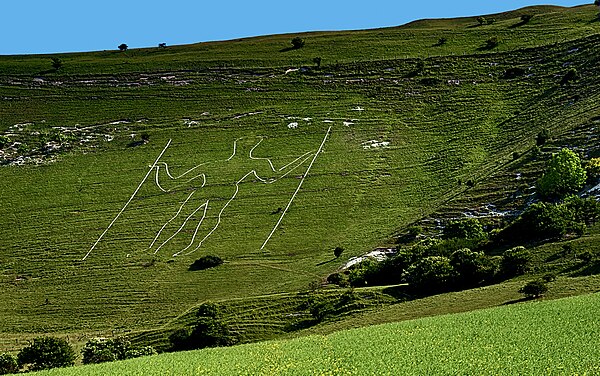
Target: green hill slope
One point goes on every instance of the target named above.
(374, 140)
(558, 337)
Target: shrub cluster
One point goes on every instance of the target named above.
(544, 220)
(209, 330)
(100, 350)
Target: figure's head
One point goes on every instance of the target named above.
(244, 145)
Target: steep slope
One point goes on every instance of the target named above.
(368, 145)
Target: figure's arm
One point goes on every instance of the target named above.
(166, 182)
(287, 169)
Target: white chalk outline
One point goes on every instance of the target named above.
(297, 189)
(128, 201)
(156, 165)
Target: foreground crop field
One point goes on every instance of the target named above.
(560, 337)
(279, 161)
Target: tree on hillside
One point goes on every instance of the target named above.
(481, 21)
(123, 47)
(56, 63)
(563, 175)
(46, 353)
(337, 252)
(8, 364)
(430, 274)
(317, 61)
(534, 289)
(297, 43)
(469, 228)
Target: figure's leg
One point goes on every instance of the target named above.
(170, 220)
(205, 205)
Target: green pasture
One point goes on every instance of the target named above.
(542, 338)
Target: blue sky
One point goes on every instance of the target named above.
(47, 26)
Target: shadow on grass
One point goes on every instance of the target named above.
(515, 301)
(327, 262)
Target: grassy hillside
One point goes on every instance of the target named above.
(558, 337)
(384, 130)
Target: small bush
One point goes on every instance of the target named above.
(46, 353)
(471, 267)
(592, 168)
(8, 364)
(297, 43)
(570, 76)
(442, 41)
(481, 21)
(431, 274)
(415, 231)
(525, 18)
(209, 330)
(206, 262)
(515, 261)
(337, 252)
(100, 350)
(317, 60)
(514, 72)
(563, 175)
(491, 43)
(4, 140)
(56, 63)
(340, 279)
(549, 277)
(534, 289)
(542, 137)
(469, 228)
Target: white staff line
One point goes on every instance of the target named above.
(181, 227)
(171, 220)
(294, 161)
(297, 189)
(290, 171)
(128, 201)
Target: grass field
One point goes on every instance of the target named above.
(541, 338)
(397, 138)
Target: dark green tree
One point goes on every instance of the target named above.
(525, 18)
(430, 274)
(56, 63)
(563, 175)
(515, 261)
(469, 228)
(317, 60)
(46, 353)
(8, 364)
(534, 289)
(297, 43)
(337, 252)
(123, 47)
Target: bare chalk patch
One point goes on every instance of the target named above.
(374, 144)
